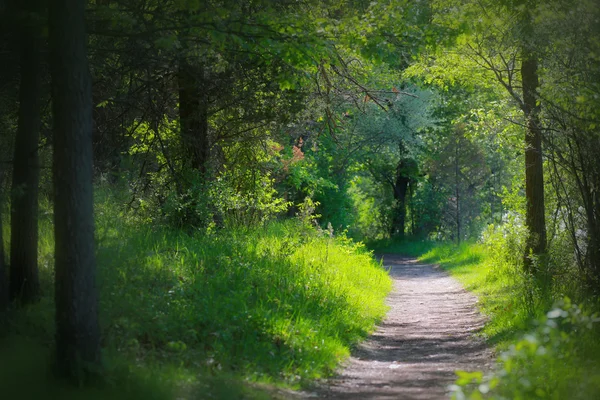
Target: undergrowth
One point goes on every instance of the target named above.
(209, 315)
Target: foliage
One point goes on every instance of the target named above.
(235, 197)
(556, 360)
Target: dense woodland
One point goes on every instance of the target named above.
(186, 186)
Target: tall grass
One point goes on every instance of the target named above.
(203, 313)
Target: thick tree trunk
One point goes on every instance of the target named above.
(535, 219)
(77, 330)
(24, 282)
(193, 115)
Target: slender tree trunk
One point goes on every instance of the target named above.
(457, 189)
(193, 115)
(24, 282)
(534, 173)
(3, 276)
(593, 252)
(595, 240)
(400, 190)
(77, 330)
(4, 291)
(587, 183)
(412, 208)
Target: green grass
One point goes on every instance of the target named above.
(223, 315)
(542, 355)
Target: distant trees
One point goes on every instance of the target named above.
(538, 58)
(570, 95)
(406, 172)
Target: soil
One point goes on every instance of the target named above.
(428, 334)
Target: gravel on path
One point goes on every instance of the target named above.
(428, 334)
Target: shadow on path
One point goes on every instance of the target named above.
(428, 334)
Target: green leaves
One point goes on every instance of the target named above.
(548, 362)
(465, 378)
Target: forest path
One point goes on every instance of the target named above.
(426, 336)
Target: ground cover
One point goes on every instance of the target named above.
(222, 314)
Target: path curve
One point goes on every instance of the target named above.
(428, 334)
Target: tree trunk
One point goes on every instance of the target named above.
(411, 208)
(77, 330)
(457, 188)
(24, 282)
(535, 219)
(593, 253)
(588, 184)
(3, 276)
(594, 245)
(193, 115)
(400, 190)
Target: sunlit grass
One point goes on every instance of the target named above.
(218, 313)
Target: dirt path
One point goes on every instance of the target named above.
(427, 335)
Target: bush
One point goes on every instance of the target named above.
(557, 360)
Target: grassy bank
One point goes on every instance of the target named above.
(208, 315)
(547, 346)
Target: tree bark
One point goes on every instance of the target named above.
(24, 281)
(457, 187)
(193, 115)
(594, 243)
(77, 330)
(3, 276)
(535, 219)
(400, 188)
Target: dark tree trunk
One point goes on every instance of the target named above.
(411, 208)
(457, 187)
(593, 253)
(535, 219)
(3, 276)
(24, 282)
(594, 244)
(77, 330)
(400, 187)
(588, 179)
(193, 115)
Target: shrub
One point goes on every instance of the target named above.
(557, 360)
